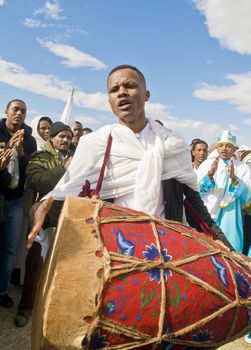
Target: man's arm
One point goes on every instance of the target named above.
(41, 177)
(38, 214)
(196, 202)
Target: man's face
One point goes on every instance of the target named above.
(61, 142)
(77, 130)
(127, 95)
(15, 114)
(226, 150)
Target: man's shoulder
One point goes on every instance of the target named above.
(28, 138)
(27, 131)
(98, 136)
(41, 155)
(2, 122)
(3, 129)
(241, 166)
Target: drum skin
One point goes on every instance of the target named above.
(120, 279)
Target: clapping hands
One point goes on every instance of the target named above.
(17, 141)
(5, 157)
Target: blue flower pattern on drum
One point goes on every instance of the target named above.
(110, 307)
(125, 246)
(221, 270)
(151, 253)
(161, 232)
(242, 284)
(98, 341)
(203, 336)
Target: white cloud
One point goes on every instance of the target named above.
(232, 127)
(52, 87)
(188, 128)
(68, 30)
(97, 122)
(237, 93)
(74, 58)
(50, 10)
(247, 121)
(31, 23)
(2, 2)
(229, 22)
(49, 85)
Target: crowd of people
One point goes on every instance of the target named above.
(32, 160)
(150, 168)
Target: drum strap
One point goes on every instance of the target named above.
(204, 226)
(88, 192)
(86, 189)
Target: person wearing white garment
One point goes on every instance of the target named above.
(149, 166)
(199, 152)
(41, 126)
(225, 187)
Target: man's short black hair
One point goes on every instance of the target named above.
(125, 66)
(79, 123)
(14, 100)
(87, 130)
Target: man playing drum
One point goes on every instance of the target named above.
(149, 167)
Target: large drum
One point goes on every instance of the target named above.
(120, 279)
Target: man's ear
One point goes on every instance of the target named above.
(147, 95)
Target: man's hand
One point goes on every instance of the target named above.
(17, 141)
(231, 173)
(38, 211)
(213, 168)
(5, 157)
(67, 163)
(19, 145)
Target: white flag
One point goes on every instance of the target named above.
(68, 113)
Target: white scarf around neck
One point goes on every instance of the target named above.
(130, 168)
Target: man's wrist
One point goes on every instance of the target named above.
(211, 176)
(234, 181)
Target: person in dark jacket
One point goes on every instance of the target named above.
(44, 170)
(5, 180)
(16, 135)
(5, 176)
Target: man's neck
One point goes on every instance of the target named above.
(12, 128)
(136, 127)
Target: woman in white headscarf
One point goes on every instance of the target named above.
(41, 126)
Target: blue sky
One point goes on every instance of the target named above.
(195, 55)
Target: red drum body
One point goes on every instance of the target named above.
(120, 279)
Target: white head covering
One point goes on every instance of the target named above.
(34, 124)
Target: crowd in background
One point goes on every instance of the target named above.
(32, 160)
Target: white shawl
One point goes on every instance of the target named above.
(39, 140)
(130, 168)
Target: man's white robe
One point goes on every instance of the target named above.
(224, 201)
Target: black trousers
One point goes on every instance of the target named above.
(247, 234)
(33, 266)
